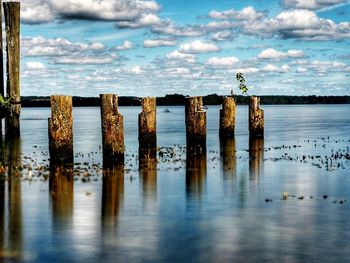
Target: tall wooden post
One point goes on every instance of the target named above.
(61, 129)
(112, 129)
(148, 126)
(227, 118)
(12, 22)
(196, 123)
(2, 89)
(256, 118)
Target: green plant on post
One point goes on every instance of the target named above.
(4, 106)
(242, 86)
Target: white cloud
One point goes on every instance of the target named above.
(198, 46)
(222, 36)
(145, 20)
(168, 28)
(271, 53)
(176, 55)
(84, 60)
(40, 46)
(33, 65)
(162, 42)
(125, 46)
(311, 4)
(247, 13)
(222, 62)
(42, 11)
(135, 70)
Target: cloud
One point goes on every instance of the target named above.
(135, 70)
(125, 46)
(161, 42)
(198, 46)
(271, 53)
(311, 4)
(169, 28)
(40, 46)
(34, 66)
(43, 11)
(222, 36)
(247, 13)
(301, 24)
(84, 60)
(145, 20)
(222, 62)
(176, 55)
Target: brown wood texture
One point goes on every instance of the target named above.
(148, 124)
(256, 118)
(112, 124)
(227, 117)
(61, 129)
(12, 24)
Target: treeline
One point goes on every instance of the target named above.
(177, 99)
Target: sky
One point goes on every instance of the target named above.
(190, 47)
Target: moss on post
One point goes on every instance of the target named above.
(61, 129)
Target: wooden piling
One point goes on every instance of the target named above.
(12, 23)
(256, 118)
(196, 172)
(112, 129)
(196, 123)
(227, 118)
(148, 125)
(61, 129)
(2, 88)
(256, 157)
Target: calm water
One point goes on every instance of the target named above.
(212, 209)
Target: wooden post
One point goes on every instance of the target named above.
(196, 123)
(227, 117)
(256, 118)
(228, 155)
(61, 129)
(112, 129)
(2, 89)
(12, 22)
(148, 126)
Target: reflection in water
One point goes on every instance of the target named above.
(61, 185)
(256, 157)
(148, 177)
(13, 249)
(228, 157)
(112, 193)
(196, 170)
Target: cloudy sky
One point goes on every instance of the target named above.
(192, 47)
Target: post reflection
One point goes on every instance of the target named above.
(148, 177)
(228, 157)
(14, 229)
(256, 157)
(112, 193)
(61, 185)
(196, 170)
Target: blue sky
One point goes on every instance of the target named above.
(148, 48)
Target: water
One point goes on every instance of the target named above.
(216, 209)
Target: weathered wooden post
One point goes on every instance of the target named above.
(228, 155)
(61, 129)
(227, 118)
(256, 118)
(148, 127)
(196, 124)
(112, 129)
(12, 23)
(2, 89)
